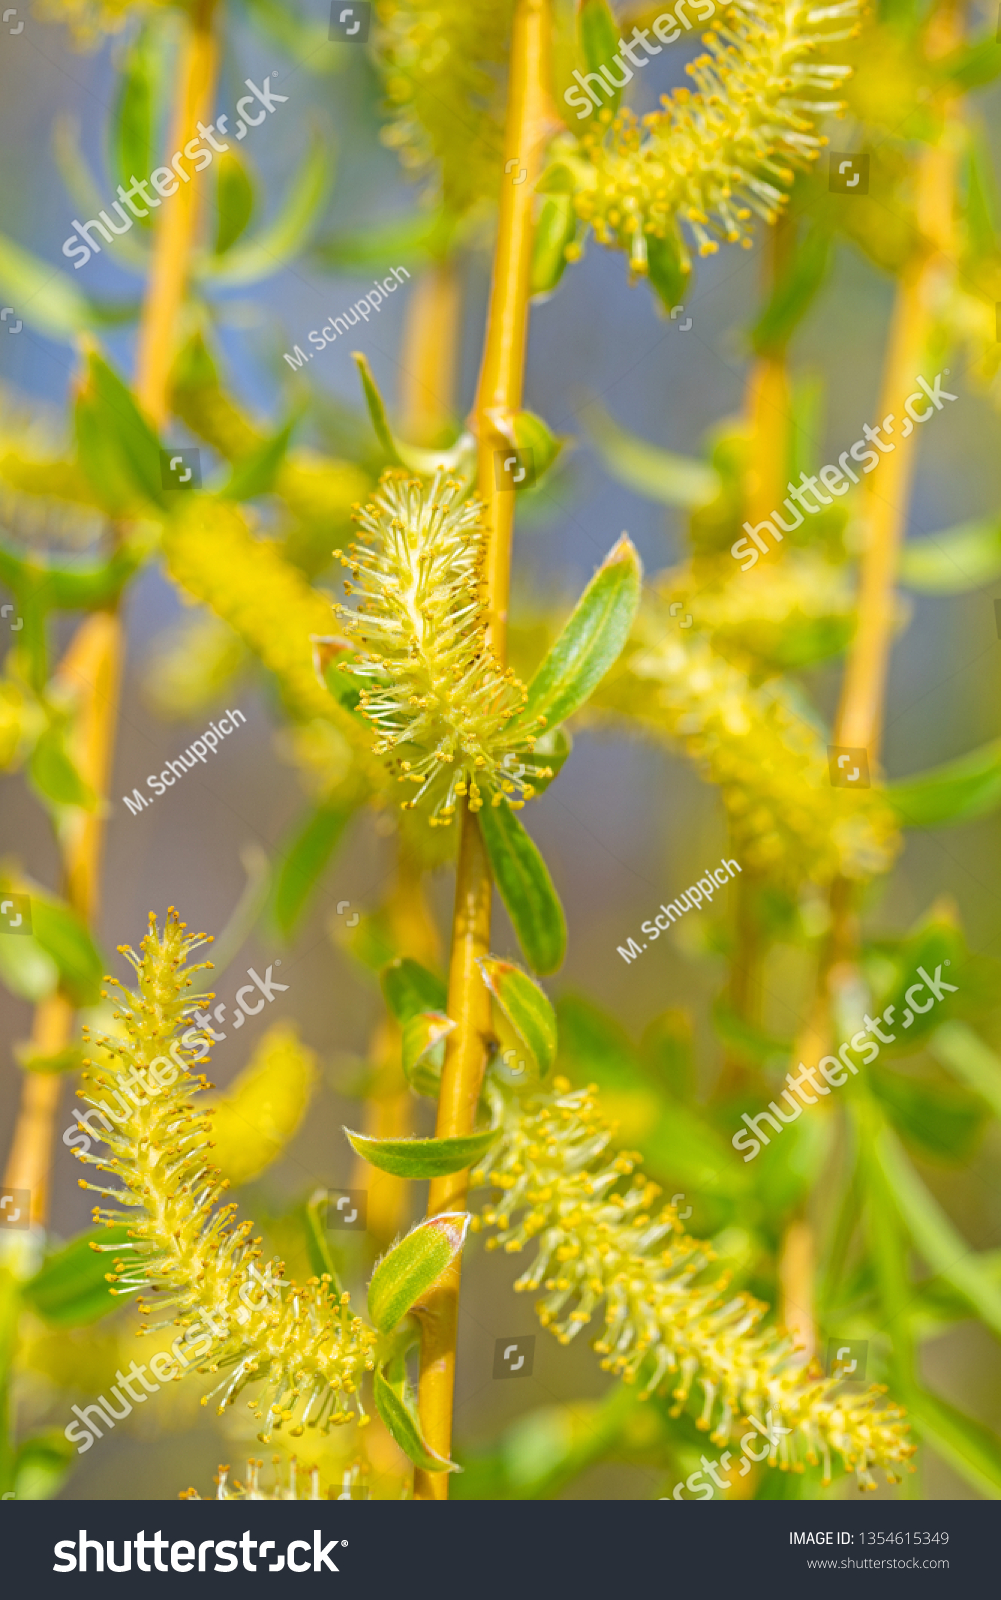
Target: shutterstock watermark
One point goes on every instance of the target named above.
(133, 1085)
(835, 479)
(696, 1484)
(693, 896)
(835, 1071)
(199, 750)
(72, 1554)
(595, 87)
(198, 1338)
(370, 302)
(165, 180)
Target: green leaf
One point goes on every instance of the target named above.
(938, 946)
(591, 640)
(63, 935)
(955, 792)
(525, 887)
(54, 776)
(957, 1047)
(970, 1449)
(410, 988)
(798, 283)
(256, 472)
(668, 267)
(119, 450)
(935, 1238)
(527, 1009)
(658, 474)
(424, 1036)
(955, 561)
(554, 230)
(43, 298)
(411, 240)
(460, 458)
(412, 1267)
(422, 1158)
(552, 749)
(318, 1238)
(972, 65)
(943, 1124)
(234, 198)
(281, 240)
(132, 129)
(42, 1465)
(25, 968)
(599, 41)
(70, 1289)
(395, 1404)
(306, 860)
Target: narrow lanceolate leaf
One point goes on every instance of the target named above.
(935, 1238)
(410, 988)
(47, 300)
(395, 1404)
(954, 561)
(287, 236)
(70, 1289)
(63, 935)
(422, 1158)
(308, 857)
(413, 1266)
(969, 1448)
(659, 474)
(526, 1007)
(525, 887)
(967, 1057)
(119, 451)
(424, 1037)
(599, 40)
(957, 791)
(458, 458)
(591, 641)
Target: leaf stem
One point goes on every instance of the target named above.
(498, 398)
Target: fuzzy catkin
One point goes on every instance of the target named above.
(302, 1342)
(763, 746)
(599, 1249)
(444, 709)
(712, 156)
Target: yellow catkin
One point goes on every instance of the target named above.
(439, 65)
(727, 148)
(762, 745)
(602, 1245)
(302, 1343)
(439, 699)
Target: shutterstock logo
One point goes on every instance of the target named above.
(72, 1554)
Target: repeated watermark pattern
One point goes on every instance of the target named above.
(167, 1367)
(514, 1356)
(835, 479)
(15, 1209)
(199, 750)
(514, 469)
(696, 1483)
(693, 896)
(72, 1554)
(370, 302)
(181, 469)
(835, 1071)
(193, 1039)
(15, 627)
(848, 765)
(595, 87)
(15, 913)
(848, 174)
(167, 180)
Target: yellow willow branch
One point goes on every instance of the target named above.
(92, 668)
(430, 355)
(93, 661)
(176, 225)
(498, 397)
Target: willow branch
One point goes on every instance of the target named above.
(498, 398)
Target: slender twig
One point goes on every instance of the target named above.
(175, 228)
(498, 398)
(92, 664)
